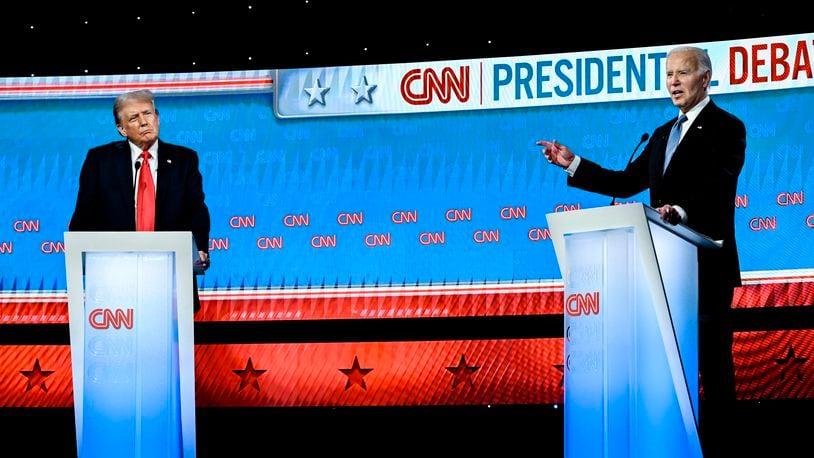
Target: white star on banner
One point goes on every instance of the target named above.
(316, 93)
(363, 90)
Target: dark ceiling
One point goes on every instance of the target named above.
(75, 38)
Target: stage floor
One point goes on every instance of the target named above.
(766, 428)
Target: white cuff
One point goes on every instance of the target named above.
(681, 213)
(571, 169)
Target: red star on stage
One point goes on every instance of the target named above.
(789, 362)
(248, 376)
(356, 375)
(463, 373)
(36, 377)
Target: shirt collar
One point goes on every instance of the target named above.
(693, 113)
(135, 151)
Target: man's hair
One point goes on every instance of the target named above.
(142, 95)
(700, 55)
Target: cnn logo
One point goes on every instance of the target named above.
(582, 304)
(418, 87)
(107, 318)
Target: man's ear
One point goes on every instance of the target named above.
(122, 131)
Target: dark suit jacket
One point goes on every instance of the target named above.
(106, 194)
(702, 179)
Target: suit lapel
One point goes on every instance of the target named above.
(694, 133)
(123, 172)
(657, 160)
(166, 157)
(697, 128)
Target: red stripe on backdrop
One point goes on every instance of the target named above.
(768, 365)
(381, 373)
(39, 311)
(522, 371)
(774, 364)
(372, 303)
(35, 376)
(774, 295)
(381, 306)
(149, 84)
(254, 306)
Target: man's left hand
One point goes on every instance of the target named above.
(203, 260)
(669, 214)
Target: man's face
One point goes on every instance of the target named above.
(686, 84)
(139, 122)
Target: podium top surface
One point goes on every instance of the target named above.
(638, 217)
(629, 215)
(180, 242)
(691, 235)
(128, 241)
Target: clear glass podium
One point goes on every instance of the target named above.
(131, 329)
(631, 332)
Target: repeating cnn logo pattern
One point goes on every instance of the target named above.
(418, 87)
(107, 318)
(582, 304)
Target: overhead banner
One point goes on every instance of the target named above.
(759, 64)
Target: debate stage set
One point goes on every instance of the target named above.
(396, 267)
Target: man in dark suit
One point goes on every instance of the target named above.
(107, 193)
(695, 185)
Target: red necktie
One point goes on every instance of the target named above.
(145, 200)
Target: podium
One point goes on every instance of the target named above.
(131, 329)
(631, 332)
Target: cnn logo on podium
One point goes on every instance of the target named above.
(111, 318)
(582, 304)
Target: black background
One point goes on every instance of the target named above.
(166, 37)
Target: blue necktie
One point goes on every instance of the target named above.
(672, 142)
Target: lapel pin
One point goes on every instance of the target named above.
(169, 161)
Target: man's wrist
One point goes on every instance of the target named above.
(572, 167)
(681, 213)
